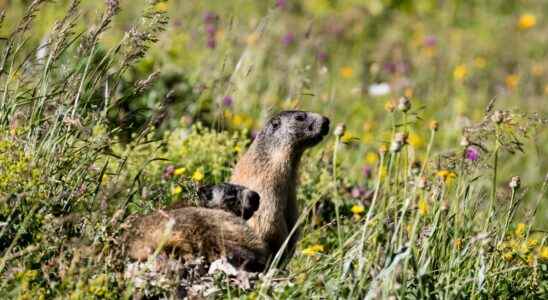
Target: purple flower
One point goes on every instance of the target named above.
(322, 56)
(168, 172)
(211, 29)
(227, 101)
(357, 192)
(288, 39)
(367, 171)
(472, 153)
(281, 3)
(211, 44)
(390, 67)
(210, 17)
(430, 41)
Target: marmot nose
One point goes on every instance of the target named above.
(325, 126)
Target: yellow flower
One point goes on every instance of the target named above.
(532, 242)
(527, 21)
(237, 149)
(367, 138)
(198, 175)
(507, 256)
(543, 252)
(446, 175)
(179, 171)
(537, 70)
(176, 190)
(346, 72)
(457, 243)
(390, 106)
(520, 229)
(480, 62)
(357, 209)
(434, 125)
(460, 72)
(531, 260)
(511, 81)
(415, 140)
(367, 126)
(237, 120)
(371, 158)
(523, 248)
(408, 92)
(347, 137)
(252, 38)
(161, 7)
(423, 207)
(313, 250)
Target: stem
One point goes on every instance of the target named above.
(494, 181)
(335, 186)
(509, 216)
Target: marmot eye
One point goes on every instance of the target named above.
(300, 117)
(275, 124)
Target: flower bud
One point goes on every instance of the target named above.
(390, 106)
(404, 104)
(464, 141)
(434, 125)
(515, 183)
(497, 117)
(400, 139)
(339, 130)
(422, 182)
(382, 150)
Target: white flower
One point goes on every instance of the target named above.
(379, 89)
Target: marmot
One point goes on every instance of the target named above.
(270, 168)
(233, 198)
(147, 232)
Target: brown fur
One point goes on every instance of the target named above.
(274, 177)
(269, 167)
(211, 233)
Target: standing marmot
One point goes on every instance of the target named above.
(269, 167)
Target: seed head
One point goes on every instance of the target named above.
(383, 149)
(497, 117)
(434, 125)
(404, 104)
(416, 167)
(464, 141)
(390, 106)
(515, 183)
(339, 130)
(422, 182)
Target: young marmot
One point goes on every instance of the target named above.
(232, 198)
(147, 232)
(269, 167)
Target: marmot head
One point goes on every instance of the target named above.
(233, 198)
(297, 130)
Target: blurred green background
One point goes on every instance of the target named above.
(230, 64)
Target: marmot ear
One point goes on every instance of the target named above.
(205, 192)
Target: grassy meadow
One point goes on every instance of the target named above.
(432, 183)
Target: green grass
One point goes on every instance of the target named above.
(133, 105)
